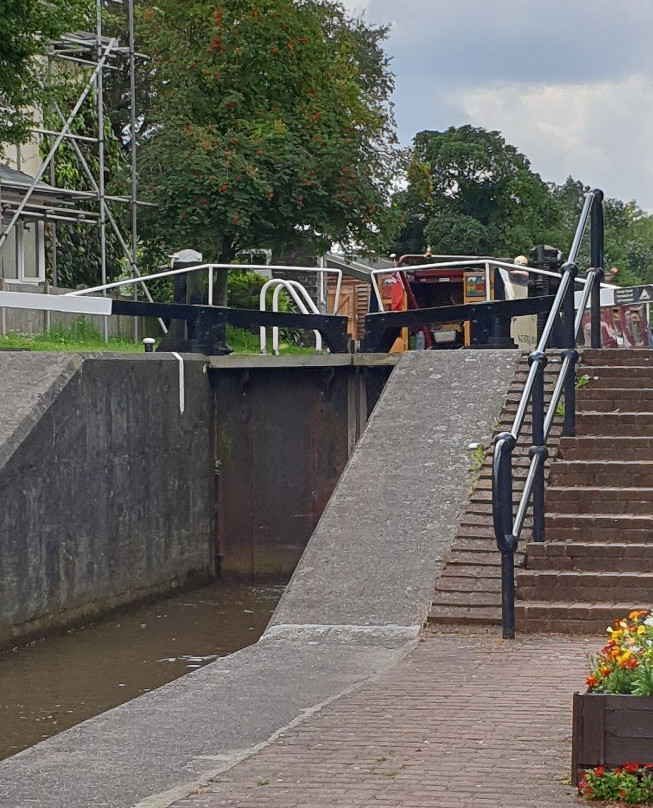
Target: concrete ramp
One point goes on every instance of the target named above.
(373, 560)
(353, 608)
(30, 385)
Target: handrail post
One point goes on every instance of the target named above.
(569, 345)
(596, 250)
(538, 447)
(502, 512)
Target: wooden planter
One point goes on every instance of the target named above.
(610, 731)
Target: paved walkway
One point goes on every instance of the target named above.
(465, 721)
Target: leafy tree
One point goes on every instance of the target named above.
(271, 126)
(26, 27)
(470, 191)
(628, 233)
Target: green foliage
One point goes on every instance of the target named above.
(628, 233)
(26, 26)
(631, 784)
(643, 680)
(471, 192)
(279, 133)
(82, 335)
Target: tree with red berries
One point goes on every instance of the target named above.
(272, 126)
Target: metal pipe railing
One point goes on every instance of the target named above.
(508, 530)
(294, 289)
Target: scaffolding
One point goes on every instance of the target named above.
(94, 54)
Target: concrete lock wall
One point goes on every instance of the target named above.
(105, 486)
(110, 493)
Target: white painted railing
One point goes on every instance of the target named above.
(296, 292)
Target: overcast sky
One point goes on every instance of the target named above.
(568, 82)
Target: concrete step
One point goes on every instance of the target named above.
(574, 586)
(628, 473)
(605, 499)
(621, 423)
(572, 617)
(589, 556)
(592, 447)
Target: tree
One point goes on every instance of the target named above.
(26, 27)
(628, 233)
(271, 126)
(471, 192)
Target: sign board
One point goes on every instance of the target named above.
(631, 295)
(621, 296)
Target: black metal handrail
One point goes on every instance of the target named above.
(507, 525)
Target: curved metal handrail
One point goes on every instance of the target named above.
(294, 289)
(508, 529)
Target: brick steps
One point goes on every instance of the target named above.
(469, 588)
(589, 556)
(602, 376)
(618, 396)
(624, 424)
(615, 357)
(594, 565)
(583, 586)
(572, 617)
(629, 473)
(561, 499)
(592, 447)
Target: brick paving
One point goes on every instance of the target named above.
(464, 721)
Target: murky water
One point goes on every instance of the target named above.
(58, 682)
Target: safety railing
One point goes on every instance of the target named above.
(566, 323)
(296, 292)
(487, 264)
(210, 271)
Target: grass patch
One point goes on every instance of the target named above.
(84, 336)
(80, 336)
(246, 342)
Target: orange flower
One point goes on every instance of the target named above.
(592, 681)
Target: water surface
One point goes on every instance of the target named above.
(55, 683)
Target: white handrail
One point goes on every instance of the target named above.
(210, 267)
(292, 287)
(311, 306)
(486, 263)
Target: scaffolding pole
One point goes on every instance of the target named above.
(88, 49)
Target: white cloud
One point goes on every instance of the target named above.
(599, 133)
(568, 82)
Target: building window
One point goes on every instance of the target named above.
(9, 257)
(22, 256)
